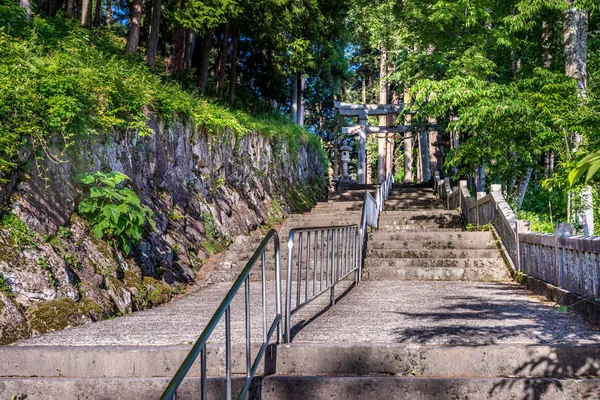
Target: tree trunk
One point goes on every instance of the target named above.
(549, 163)
(294, 100)
(109, 13)
(301, 89)
(232, 71)
(192, 42)
(70, 7)
(408, 146)
(27, 6)
(575, 27)
(480, 179)
(85, 10)
(154, 31)
(134, 27)
(176, 62)
(97, 13)
(223, 61)
(383, 99)
(47, 8)
(364, 90)
(424, 159)
(204, 61)
(336, 161)
(522, 189)
(545, 43)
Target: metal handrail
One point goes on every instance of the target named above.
(370, 213)
(336, 253)
(199, 348)
(382, 192)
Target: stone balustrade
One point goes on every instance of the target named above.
(560, 259)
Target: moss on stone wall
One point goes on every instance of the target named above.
(52, 315)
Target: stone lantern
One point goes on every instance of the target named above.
(345, 149)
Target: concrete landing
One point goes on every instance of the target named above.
(421, 312)
(465, 313)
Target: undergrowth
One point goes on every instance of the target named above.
(60, 81)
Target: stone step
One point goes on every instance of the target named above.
(110, 388)
(355, 208)
(306, 387)
(431, 243)
(436, 236)
(389, 202)
(484, 361)
(418, 228)
(448, 263)
(432, 253)
(363, 388)
(324, 221)
(436, 274)
(391, 195)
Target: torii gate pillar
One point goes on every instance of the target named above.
(362, 149)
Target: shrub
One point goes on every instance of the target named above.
(114, 213)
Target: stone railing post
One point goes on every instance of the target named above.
(560, 230)
(520, 227)
(495, 188)
(480, 195)
(465, 213)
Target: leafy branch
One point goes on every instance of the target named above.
(115, 212)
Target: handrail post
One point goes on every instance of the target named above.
(288, 289)
(333, 268)
(278, 289)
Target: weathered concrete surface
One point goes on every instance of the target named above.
(300, 388)
(465, 313)
(343, 359)
(110, 388)
(317, 388)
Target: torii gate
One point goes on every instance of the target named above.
(430, 147)
(362, 111)
(385, 148)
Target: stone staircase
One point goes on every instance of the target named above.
(436, 317)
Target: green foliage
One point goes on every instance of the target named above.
(538, 222)
(203, 15)
(44, 268)
(4, 286)
(209, 224)
(22, 237)
(275, 213)
(72, 261)
(115, 212)
(589, 165)
(175, 215)
(61, 81)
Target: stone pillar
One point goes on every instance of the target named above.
(362, 149)
(345, 149)
(408, 157)
(424, 152)
(390, 155)
(433, 138)
(560, 230)
(587, 208)
(391, 143)
(453, 141)
(381, 150)
(408, 145)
